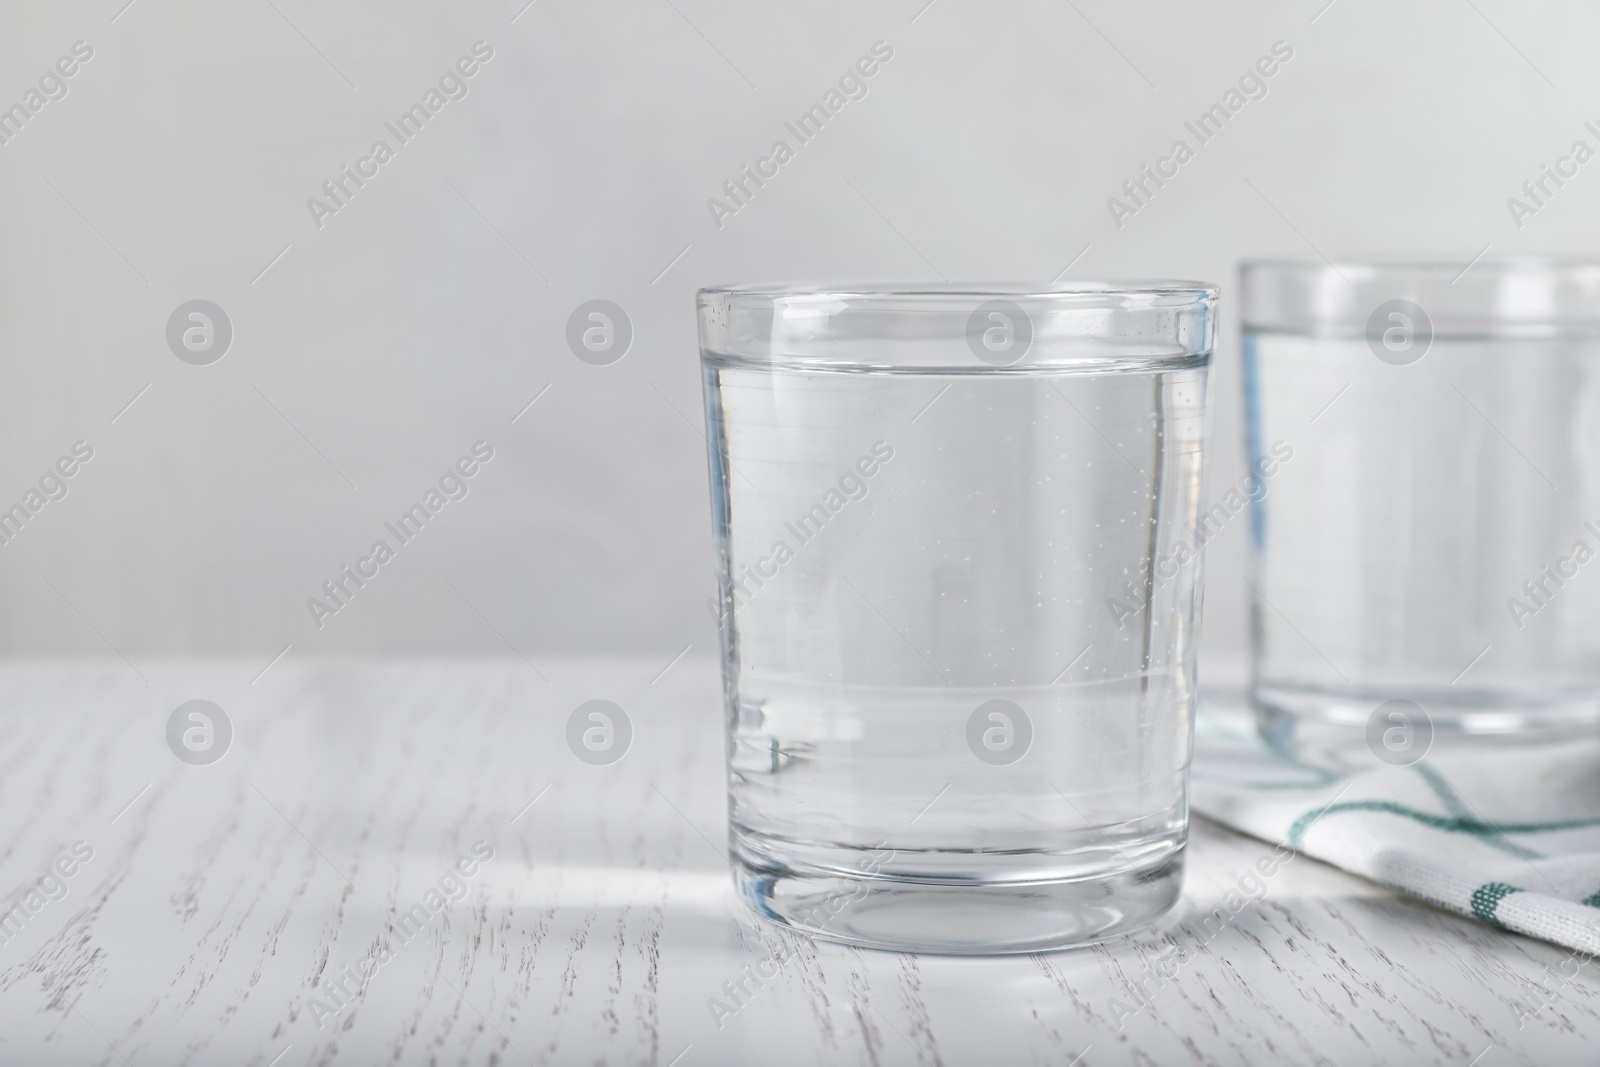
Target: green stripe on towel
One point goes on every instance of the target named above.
(1487, 897)
(1450, 824)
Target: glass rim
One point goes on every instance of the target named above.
(1534, 297)
(959, 327)
(1143, 287)
(1500, 265)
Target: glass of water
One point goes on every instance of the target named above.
(1426, 442)
(958, 597)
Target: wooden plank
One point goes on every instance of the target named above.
(222, 903)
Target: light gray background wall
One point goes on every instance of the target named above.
(431, 309)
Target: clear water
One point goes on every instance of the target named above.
(900, 549)
(1392, 549)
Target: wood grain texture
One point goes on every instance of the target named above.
(220, 900)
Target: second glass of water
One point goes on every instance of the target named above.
(1426, 438)
(958, 598)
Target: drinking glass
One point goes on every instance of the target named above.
(1426, 438)
(958, 593)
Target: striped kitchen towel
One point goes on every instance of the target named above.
(1506, 835)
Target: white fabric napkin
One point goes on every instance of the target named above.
(1507, 835)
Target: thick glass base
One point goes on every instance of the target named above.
(962, 918)
(1354, 729)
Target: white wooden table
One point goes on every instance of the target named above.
(220, 900)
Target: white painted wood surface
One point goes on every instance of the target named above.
(220, 899)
